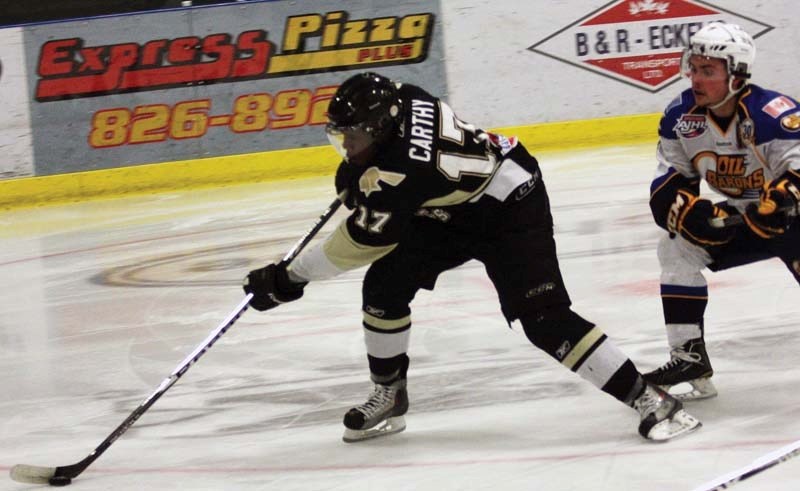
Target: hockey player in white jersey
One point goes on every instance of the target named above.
(744, 141)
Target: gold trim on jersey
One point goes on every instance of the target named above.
(583, 346)
(459, 196)
(759, 156)
(346, 254)
(745, 126)
(747, 91)
(750, 142)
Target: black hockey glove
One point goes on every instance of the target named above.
(347, 176)
(689, 217)
(770, 218)
(271, 287)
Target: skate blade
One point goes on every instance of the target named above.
(679, 424)
(693, 390)
(385, 427)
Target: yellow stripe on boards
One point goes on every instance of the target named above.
(290, 164)
(566, 135)
(168, 176)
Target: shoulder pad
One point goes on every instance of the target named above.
(774, 115)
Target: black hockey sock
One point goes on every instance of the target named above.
(622, 384)
(387, 370)
(684, 304)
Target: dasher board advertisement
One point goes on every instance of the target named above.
(213, 81)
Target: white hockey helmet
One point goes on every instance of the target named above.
(728, 42)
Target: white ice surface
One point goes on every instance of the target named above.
(101, 300)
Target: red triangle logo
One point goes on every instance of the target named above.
(643, 10)
(648, 69)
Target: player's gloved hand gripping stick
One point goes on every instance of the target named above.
(63, 475)
(777, 205)
(734, 220)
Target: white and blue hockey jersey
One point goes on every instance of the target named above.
(760, 143)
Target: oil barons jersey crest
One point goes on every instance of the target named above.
(436, 165)
(760, 143)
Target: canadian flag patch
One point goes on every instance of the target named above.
(778, 106)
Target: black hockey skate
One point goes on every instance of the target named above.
(382, 414)
(689, 365)
(662, 416)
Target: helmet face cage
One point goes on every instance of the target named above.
(365, 105)
(727, 42)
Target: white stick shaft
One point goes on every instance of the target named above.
(756, 467)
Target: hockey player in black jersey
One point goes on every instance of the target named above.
(744, 141)
(429, 192)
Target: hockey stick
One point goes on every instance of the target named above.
(63, 475)
(758, 466)
(733, 220)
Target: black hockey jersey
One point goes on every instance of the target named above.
(436, 161)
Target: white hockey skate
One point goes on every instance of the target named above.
(662, 416)
(381, 415)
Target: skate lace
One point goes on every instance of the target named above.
(680, 355)
(382, 396)
(648, 402)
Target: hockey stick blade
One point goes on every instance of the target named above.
(734, 220)
(55, 476)
(63, 475)
(32, 474)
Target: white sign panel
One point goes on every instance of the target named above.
(638, 42)
(16, 153)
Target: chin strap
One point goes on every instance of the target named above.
(731, 92)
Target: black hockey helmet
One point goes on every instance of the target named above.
(366, 107)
